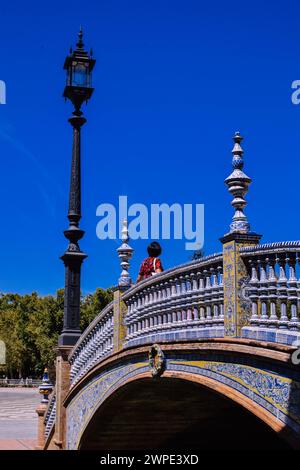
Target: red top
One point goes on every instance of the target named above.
(147, 267)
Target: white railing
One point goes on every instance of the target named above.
(20, 382)
(182, 303)
(95, 343)
(50, 415)
(274, 287)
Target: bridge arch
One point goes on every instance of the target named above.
(178, 412)
(231, 385)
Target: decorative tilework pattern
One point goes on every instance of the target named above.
(229, 266)
(271, 334)
(243, 303)
(237, 308)
(84, 405)
(275, 389)
(119, 315)
(278, 394)
(274, 392)
(180, 335)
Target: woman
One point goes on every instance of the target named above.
(152, 264)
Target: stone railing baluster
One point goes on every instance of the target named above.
(253, 292)
(292, 293)
(272, 292)
(207, 296)
(201, 296)
(95, 343)
(282, 293)
(215, 295)
(274, 297)
(220, 294)
(263, 292)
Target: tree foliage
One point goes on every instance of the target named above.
(30, 326)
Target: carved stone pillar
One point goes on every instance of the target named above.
(41, 410)
(120, 311)
(237, 311)
(62, 388)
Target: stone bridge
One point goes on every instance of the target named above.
(201, 356)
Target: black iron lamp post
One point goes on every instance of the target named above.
(78, 65)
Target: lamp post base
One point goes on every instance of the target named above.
(69, 338)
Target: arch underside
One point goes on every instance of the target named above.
(200, 402)
(174, 414)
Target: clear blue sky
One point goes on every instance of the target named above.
(174, 80)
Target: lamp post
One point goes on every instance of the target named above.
(78, 65)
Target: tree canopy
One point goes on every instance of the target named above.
(30, 325)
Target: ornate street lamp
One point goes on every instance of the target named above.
(78, 65)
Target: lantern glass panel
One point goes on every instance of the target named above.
(80, 75)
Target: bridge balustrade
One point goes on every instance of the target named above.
(50, 415)
(95, 343)
(187, 302)
(274, 291)
(182, 303)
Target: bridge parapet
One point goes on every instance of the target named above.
(182, 303)
(95, 343)
(274, 291)
(187, 303)
(49, 420)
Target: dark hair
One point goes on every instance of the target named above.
(154, 249)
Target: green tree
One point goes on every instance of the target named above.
(92, 304)
(30, 326)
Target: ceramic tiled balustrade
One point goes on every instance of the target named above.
(186, 303)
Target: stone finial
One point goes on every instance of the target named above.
(125, 253)
(46, 387)
(238, 183)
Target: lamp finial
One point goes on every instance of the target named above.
(238, 183)
(80, 44)
(125, 253)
